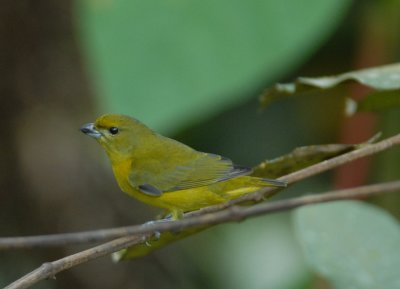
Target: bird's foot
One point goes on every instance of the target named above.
(157, 234)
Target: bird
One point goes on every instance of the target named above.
(168, 174)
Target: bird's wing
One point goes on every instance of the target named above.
(155, 179)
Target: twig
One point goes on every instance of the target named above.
(7, 243)
(50, 269)
(235, 213)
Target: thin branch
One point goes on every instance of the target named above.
(50, 269)
(7, 243)
(235, 213)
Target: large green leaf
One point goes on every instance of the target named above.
(384, 79)
(352, 244)
(166, 62)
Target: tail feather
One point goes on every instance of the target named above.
(269, 182)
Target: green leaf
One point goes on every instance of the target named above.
(303, 157)
(167, 62)
(352, 244)
(384, 79)
(381, 78)
(299, 158)
(380, 101)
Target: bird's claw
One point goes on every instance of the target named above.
(157, 235)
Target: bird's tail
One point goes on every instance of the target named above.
(270, 182)
(263, 182)
(244, 185)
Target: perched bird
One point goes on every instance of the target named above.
(165, 173)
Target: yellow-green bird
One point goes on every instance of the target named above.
(165, 173)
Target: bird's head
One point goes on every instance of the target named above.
(118, 134)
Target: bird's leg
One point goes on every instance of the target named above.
(176, 215)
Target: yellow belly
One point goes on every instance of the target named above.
(182, 201)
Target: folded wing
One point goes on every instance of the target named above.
(154, 178)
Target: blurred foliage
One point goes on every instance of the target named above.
(384, 79)
(264, 255)
(380, 101)
(174, 62)
(352, 244)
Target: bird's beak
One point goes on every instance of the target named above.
(90, 130)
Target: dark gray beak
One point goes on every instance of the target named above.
(89, 130)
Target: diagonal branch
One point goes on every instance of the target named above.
(7, 243)
(235, 213)
(50, 269)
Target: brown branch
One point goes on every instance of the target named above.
(235, 213)
(7, 243)
(50, 269)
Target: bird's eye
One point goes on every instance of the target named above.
(113, 130)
